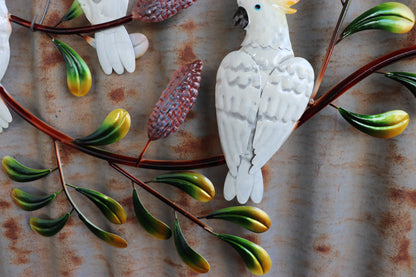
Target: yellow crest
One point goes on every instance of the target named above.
(285, 5)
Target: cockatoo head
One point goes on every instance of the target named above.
(261, 10)
(265, 22)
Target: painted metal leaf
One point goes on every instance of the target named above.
(391, 16)
(175, 102)
(20, 173)
(115, 127)
(150, 224)
(255, 257)
(195, 184)
(112, 210)
(159, 10)
(385, 125)
(74, 11)
(30, 202)
(108, 237)
(251, 218)
(49, 227)
(78, 75)
(405, 78)
(191, 258)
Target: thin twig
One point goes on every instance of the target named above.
(70, 31)
(61, 176)
(331, 47)
(162, 198)
(142, 153)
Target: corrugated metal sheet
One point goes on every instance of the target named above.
(341, 203)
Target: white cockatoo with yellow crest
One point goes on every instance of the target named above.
(262, 90)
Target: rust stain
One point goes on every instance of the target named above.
(266, 175)
(12, 229)
(387, 221)
(117, 95)
(252, 238)
(172, 263)
(324, 249)
(411, 36)
(52, 18)
(52, 56)
(320, 245)
(403, 256)
(187, 55)
(193, 144)
(404, 196)
(191, 115)
(4, 205)
(189, 27)
(66, 155)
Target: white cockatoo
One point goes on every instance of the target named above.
(5, 31)
(114, 48)
(262, 90)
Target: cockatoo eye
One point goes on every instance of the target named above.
(257, 7)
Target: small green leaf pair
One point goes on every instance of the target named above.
(74, 11)
(20, 173)
(385, 125)
(49, 227)
(111, 209)
(30, 202)
(195, 184)
(251, 218)
(114, 127)
(391, 16)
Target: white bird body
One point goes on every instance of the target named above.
(261, 92)
(114, 48)
(5, 31)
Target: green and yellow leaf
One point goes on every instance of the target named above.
(30, 202)
(108, 237)
(150, 224)
(255, 257)
(385, 125)
(20, 173)
(405, 78)
(195, 184)
(77, 71)
(391, 16)
(251, 218)
(191, 258)
(74, 11)
(112, 210)
(114, 127)
(49, 227)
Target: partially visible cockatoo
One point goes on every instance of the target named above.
(5, 31)
(114, 48)
(262, 90)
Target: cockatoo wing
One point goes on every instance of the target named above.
(114, 48)
(237, 98)
(283, 101)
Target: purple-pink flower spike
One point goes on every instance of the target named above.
(175, 102)
(159, 10)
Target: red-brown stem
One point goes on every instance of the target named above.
(331, 47)
(139, 160)
(355, 78)
(102, 154)
(70, 31)
(61, 176)
(161, 197)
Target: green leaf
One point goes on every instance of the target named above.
(385, 125)
(150, 224)
(114, 127)
(49, 227)
(405, 78)
(251, 218)
(195, 184)
(255, 257)
(191, 258)
(29, 202)
(392, 16)
(108, 237)
(78, 75)
(112, 210)
(74, 11)
(20, 173)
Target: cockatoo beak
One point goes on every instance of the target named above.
(285, 5)
(241, 17)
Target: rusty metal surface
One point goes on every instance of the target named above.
(341, 203)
